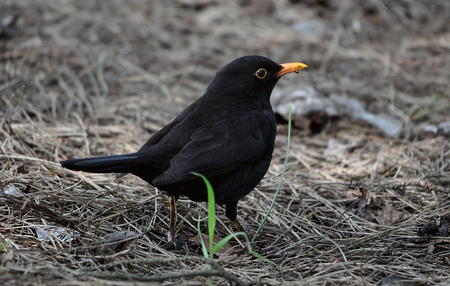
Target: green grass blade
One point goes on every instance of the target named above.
(225, 240)
(281, 182)
(212, 225)
(4, 246)
(202, 242)
(211, 211)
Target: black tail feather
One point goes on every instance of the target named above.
(109, 164)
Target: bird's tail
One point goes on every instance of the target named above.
(109, 164)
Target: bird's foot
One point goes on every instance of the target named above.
(236, 226)
(261, 248)
(177, 243)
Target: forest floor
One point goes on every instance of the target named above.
(84, 78)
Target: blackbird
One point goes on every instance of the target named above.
(227, 135)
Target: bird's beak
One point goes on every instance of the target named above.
(290, 67)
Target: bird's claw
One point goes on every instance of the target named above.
(236, 226)
(175, 242)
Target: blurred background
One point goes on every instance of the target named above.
(141, 62)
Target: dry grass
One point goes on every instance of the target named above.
(81, 78)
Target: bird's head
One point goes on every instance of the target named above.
(251, 76)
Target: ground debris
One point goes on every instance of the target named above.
(312, 111)
(85, 78)
(436, 227)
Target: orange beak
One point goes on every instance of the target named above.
(291, 67)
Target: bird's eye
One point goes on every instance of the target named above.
(261, 73)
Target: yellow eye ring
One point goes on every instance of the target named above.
(261, 73)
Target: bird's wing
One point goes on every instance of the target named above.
(215, 151)
(155, 138)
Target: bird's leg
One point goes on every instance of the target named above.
(231, 213)
(172, 218)
(173, 240)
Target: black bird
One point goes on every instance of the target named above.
(227, 135)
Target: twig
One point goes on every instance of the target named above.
(167, 276)
(164, 261)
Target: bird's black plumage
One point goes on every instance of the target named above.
(227, 135)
